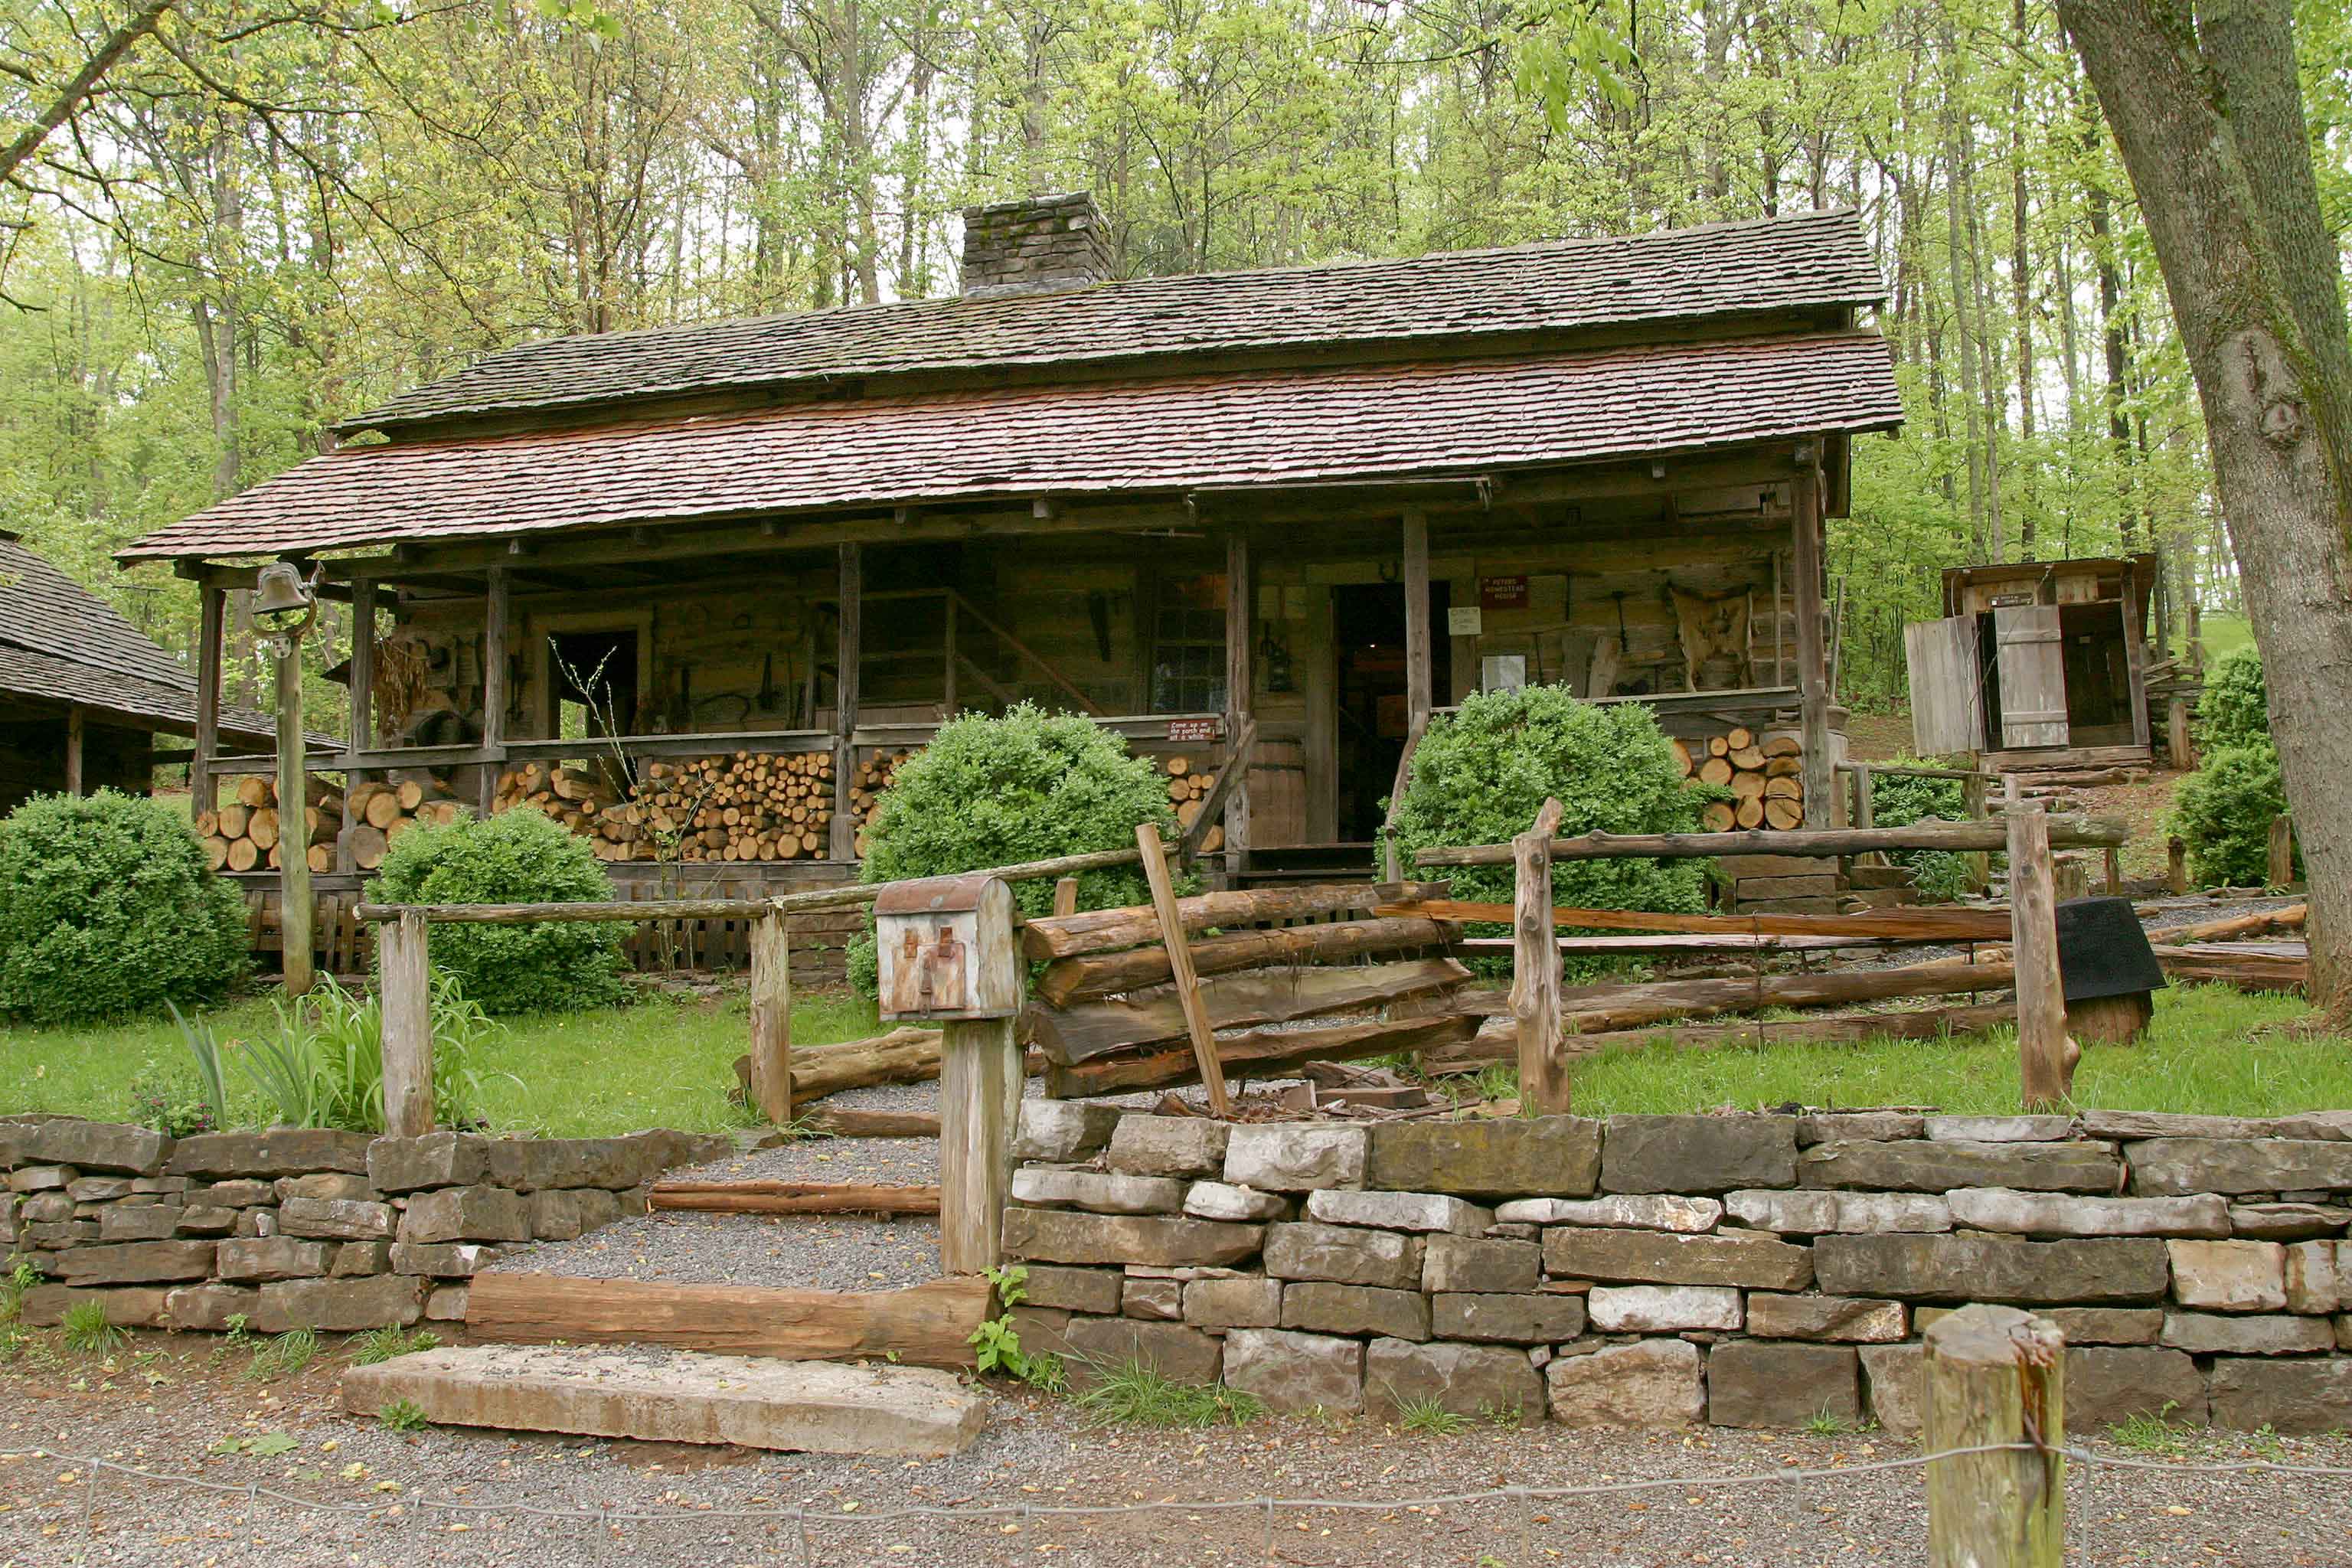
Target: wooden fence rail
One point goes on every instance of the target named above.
(2065, 833)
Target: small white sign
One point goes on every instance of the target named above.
(1465, 621)
(1503, 672)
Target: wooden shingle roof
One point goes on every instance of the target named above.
(60, 643)
(1132, 439)
(1808, 262)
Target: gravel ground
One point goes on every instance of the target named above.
(1038, 1452)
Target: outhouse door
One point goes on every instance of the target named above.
(2032, 655)
(1946, 709)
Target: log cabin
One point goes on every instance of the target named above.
(83, 692)
(695, 589)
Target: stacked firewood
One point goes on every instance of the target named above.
(1189, 783)
(382, 812)
(250, 833)
(745, 805)
(1762, 775)
(867, 781)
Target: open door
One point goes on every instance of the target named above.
(2032, 648)
(1947, 708)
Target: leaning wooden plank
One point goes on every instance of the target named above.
(1069, 1035)
(1103, 931)
(794, 1197)
(928, 1324)
(1498, 1041)
(1899, 924)
(1181, 976)
(1261, 1053)
(2065, 833)
(1594, 1010)
(1115, 973)
(2247, 969)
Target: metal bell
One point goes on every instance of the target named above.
(280, 591)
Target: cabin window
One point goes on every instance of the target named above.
(592, 684)
(1188, 646)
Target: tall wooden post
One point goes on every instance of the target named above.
(1996, 1377)
(980, 1105)
(2175, 735)
(852, 639)
(1241, 680)
(361, 729)
(2176, 864)
(1979, 862)
(494, 685)
(1816, 767)
(1419, 635)
(295, 913)
(2282, 851)
(74, 772)
(405, 991)
(2044, 1053)
(772, 1018)
(1535, 970)
(211, 621)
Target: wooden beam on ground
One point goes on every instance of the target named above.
(1186, 983)
(929, 1324)
(1498, 1041)
(1070, 980)
(794, 1197)
(2065, 833)
(847, 1122)
(2255, 969)
(1259, 1053)
(1906, 924)
(1597, 1009)
(2230, 929)
(1535, 970)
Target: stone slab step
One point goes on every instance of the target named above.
(658, 1394)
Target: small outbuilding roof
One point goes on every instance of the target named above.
(1805, 262)
(60, 643)
(1164, 435)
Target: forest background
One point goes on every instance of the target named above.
(271, 216)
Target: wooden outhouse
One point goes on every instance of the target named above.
(694, 590)
(2036, 664)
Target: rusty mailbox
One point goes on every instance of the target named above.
(946, 949)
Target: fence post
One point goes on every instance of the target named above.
(980, 1103)
(2176, 864)
(2282, 866)
(772, 1018)
(1979, 863)
(405, 990)
(1535, 969)
(1996, 1376)
(2176, 731)
(2045, 1053)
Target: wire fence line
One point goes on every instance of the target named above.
(803, 1518)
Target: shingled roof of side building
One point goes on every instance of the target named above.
(60, 644)
(1520, 297)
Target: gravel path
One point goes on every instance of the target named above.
(1037, 1451)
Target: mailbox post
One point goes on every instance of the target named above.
(948, 956)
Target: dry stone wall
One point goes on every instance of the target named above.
(1743, 1270)
(297, 1227)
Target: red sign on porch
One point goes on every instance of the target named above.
(1502, 593)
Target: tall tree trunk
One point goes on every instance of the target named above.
(2213, 132)
(2021, 279)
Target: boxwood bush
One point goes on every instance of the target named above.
(2223, 812)
(1482, 773)
(2235, 708)
(108, 908)
(1028, 785)
(514, 857)
(1898, 802)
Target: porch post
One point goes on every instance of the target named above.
(1240, 620)
(209, 626)
(1812, 670)
(844, 845)
(1418, 635)
(494, 685)
(362, 707)
(74, 779)
(295, 910)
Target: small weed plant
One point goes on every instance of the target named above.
(385, 1344)
(2147, 1432)
(996, 1343)
(1828, 1422)
(282, 1355)
(13, 1286)
(86, 1331)
(1134, 1393)
(1426, 1414)
(401, 1416)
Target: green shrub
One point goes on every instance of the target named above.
(515, 858)
(2235, 709)
(1481, 774)
(2223, 812)
(996, 792)
(108, 908)
(1898, 802)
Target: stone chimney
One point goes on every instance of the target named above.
(1035, 246)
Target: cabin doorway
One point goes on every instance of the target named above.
(1372, 718)
(592, 684)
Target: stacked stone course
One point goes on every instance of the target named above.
(1743, 1270)
(297, 1227)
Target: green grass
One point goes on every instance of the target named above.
(1426, 1414)
(86, 1331)
(2224, 634)
(281, 1355)
(661, 1062)
(383, 1345)
(1134, 1395)
(2203, 1054)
